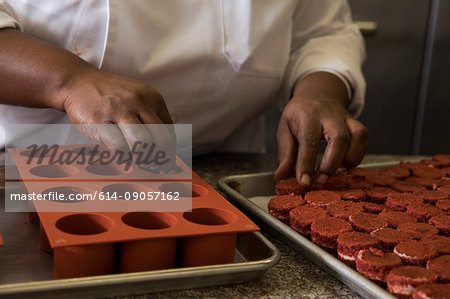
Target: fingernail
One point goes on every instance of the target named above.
(322, 179)
(342, 170)
(305, 179)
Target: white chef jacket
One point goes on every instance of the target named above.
(217, 63)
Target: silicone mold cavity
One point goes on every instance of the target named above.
(184, 189)
(210, 216)
(84, 224)
(54, 171)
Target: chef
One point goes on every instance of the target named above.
(215, 64)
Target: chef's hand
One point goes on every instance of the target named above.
(318, 110)
(36, 74)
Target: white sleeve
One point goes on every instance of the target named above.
(8, 18)
(325, 38)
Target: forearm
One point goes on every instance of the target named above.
(34, 73)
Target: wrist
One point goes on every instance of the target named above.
(323, 86)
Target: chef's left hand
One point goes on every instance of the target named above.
(318, 110)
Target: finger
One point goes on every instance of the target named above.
(106, 134)
(358, 143)
(337, 137)
(308, 138)
(287, 151)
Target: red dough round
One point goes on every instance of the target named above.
(343, 209)
(352, 194)
(441, 243)
(418, 230)
(376, 264)
(416, 252)
(349, 244)
(431, 196)
(441, 266)
(290, 186)
(366, 222)
(381, 180)
(445, 189)
(325, 231)
(443, 204)
(445, 158)
(321, 198)
(407, 187)
(403, 280)
(395, 218)
(373, 208)
(397, 172)
(423, 212)
(359, 184)
(432, 291)
(378, 194)
(281, 205)
(400, 201)
(426, 182)
(363, 172)
(389, 237)
(428, 172)
(442, 222)
(302, 217)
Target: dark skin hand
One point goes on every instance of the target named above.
(318, 110)
(37, 74)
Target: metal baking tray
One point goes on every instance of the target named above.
(26, 271)
(252, 192)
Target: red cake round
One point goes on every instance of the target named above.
(302, 217)
(352, 194)
(349, 244)
(441, 266)
(281, 205)
(343, 209)
(395, 218)
(445, 158)
(403, 280)
(416, 252)
(432, 291)
(418, 230)
(376, 264)
(363, 172)
(321, 198)
(338, 181)
(443, 204)
(290, 186)
(400, 201)
(378, 194)
(423, 212)
(373, 208)
(389, 237)
(432, 196)
(442, 222)
(366, 222)
(445, 189)
(441, 243)
(397, 172)
(325, 231)
(381, 180)
(359, 184)
(407, 187)
(426, 182)
(428, 172)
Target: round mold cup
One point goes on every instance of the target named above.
(211, 249)
(123, 190)
(153, 253)
(185, 190)
(112, 169)
(175, 170)
(67, 191)
(54, 171)
(84, 260)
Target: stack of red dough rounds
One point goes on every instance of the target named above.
(392, 224)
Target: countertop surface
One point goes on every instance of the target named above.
(294, 275)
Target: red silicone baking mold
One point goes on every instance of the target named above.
(1, 240)
(95, 243)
